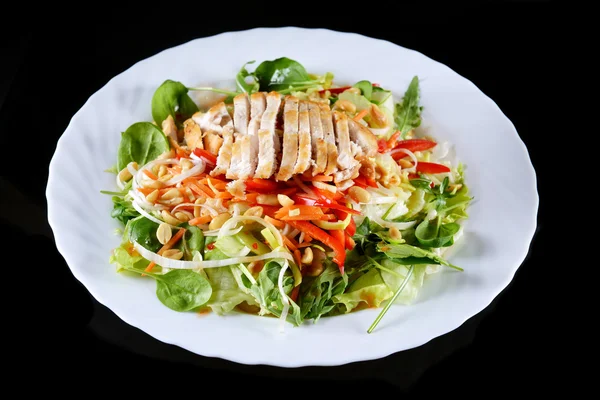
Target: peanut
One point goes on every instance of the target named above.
(218, 221)
(284, 200)
(164, 233)
(359, 194)
(173, 254)
(267, 199)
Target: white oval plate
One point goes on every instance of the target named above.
(497, 236)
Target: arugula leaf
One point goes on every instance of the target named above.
(280, 74)
(240, 80)
(316, 295)
(432, 233)
(366, 88)
(123, 210)
(171, 98)
(419, 255)
(408, 113)
(180, 289)
(267, 295)
(141, 142)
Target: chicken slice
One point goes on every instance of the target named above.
(319, 146)
(214, 119)
(348, 173)
(241, 113)
(268, 139)
(224, 157)
(212, 142)
(169, 128)
(192, 134)
(290, 139)
(345, 157)
(245, 150)
(329, 136)
(304, 146)
(363, 137)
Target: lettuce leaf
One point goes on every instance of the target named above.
(395, 278)
(227, 291)
(370, 288)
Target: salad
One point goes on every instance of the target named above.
(291, 196)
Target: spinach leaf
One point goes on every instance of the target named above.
(366, 88)
(141, 142)
(316, 295)
(143, 231)
(180, 289)
(432, 233)
(171, 98)
(280, 74)
(193, 240)
(123, 210)
(402, 251)
(408, 113)
(240, 80)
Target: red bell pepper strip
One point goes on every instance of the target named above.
(431, 168)
(337, 234)
(319, 234)
(348, 242)
(382, 146)
(304, 200)
(211, 158)
(360, 181)
(261, 184)
(414, 144)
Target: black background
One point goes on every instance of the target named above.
(50, 66)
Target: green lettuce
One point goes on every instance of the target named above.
(369, 288)
(227, 290)
(394, 275)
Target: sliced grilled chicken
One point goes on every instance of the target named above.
(304, 145)
(319, 146)
(348, 167)
(213, 141)
(290, 139)
(329, 136)
(192, 135)
(268, 140)
(363, 137)
(214, 119)
(245, 146)
(241, 113)
(224, 157)
(169, 128)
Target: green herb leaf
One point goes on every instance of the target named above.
(141, 142)
(408, 113)
(389, 304)
(171, 98)
(240, 80)
(435, 234)
(123, 210)
(280, 74)
(180, 289)
(316, 294)
(143, 231)
(401, 251)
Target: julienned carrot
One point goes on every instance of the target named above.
(145, 191)
(167, 246)
(297, 257)
(301, 210)
(293, 247)
(200, 189)
(186, 199)
(313, 217)
(251, 197)
(224, 195)
(200, 220)
(361, 115)
(149, 174)
(275, 222)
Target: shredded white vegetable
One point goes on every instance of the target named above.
(229, 233)
(180, 264)
(284, 297)
(195, 170)
(234, 220)
(209, 208)
(411, 155)
(147, 215)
